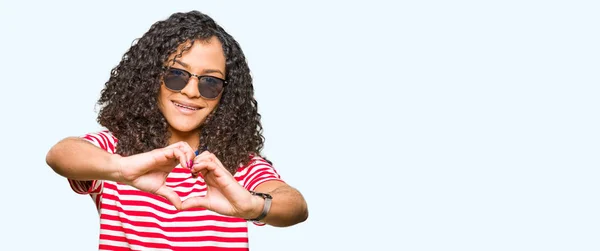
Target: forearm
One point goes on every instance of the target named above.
(288, 207)
(77, 159)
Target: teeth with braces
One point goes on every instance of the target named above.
(187, 107)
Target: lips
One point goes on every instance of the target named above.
(185, 105)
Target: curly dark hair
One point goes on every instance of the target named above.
(129, 101)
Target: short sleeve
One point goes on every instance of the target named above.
(255, 173)
(107, 142)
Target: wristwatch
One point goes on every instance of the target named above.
(266, 208)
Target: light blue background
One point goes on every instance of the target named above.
(407, 125)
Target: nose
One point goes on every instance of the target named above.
(191, 89)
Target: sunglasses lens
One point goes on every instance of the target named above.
(210, 87)
(176, 79)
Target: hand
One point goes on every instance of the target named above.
(148, 171)
(224, 194)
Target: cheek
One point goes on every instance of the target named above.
(213, 104)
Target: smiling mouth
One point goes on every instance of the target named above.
(185, 106)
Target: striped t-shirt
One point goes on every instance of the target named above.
(131, 219)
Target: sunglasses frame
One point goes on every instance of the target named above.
(167, 68)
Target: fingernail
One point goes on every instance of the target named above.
(190, 164)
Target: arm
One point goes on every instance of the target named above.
(288, 206)
(226, 196)
(78, 159)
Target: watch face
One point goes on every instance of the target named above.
(264, 195)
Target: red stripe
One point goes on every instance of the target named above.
(143, 203)
(110, 185)
(135, 242)
(80, 186)
(152, 245)
(256, 171)
(105, 139)
(199, 181)
(189, 184)
(171, 229)
(221, 218)
(73, 186)
(135, 191)
(112, 248)
(260, 179)
(195, 190)
(252, 160)
(159, 198)
(179, 238)
(252, 168)
(98, 187)
(95, 138)
(256, 168)
(98, 201)
(180, 170)
(179, 180)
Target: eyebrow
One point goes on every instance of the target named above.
(205, 71)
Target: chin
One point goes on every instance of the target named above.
(185, 128)
(184, 123)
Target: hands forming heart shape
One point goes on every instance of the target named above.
(148, 172)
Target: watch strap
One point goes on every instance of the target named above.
(267, 197)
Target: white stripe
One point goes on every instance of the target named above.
(176, 244)
(94, 140)
(250, 178)
(76, 187)
(170, 224)
(111, 141)
(94, 197)
(114, 243)
(97, 139)
(176, 186)
(138, 247)
(264, 176)
(98, 184)
(154, 201)
(139, 198)
(199, 183)
(252, 165)
(187, 213)
(125, 244)
(260, 182)
(179, 175)
(187, 233)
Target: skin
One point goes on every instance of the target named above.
(203, 58)
(78, 159)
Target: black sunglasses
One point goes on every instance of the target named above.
(210, 87)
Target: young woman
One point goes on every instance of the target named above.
(179, 166)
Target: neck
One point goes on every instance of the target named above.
(192, 138)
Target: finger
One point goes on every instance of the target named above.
(204, 153)
(187, 149)
(204, 156)
(189, 153)
(177, 154)
(170, 195)
(195, 202)
(204, 166)
(218, 162)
